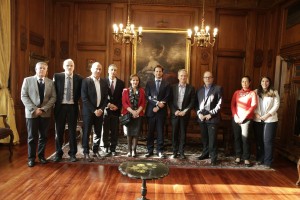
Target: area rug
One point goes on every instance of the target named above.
(192, 151)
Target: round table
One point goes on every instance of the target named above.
(145, 170)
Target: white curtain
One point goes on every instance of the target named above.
(6, 102)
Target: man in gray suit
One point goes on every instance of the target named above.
(181, 103)
(38, 96)
(208, 106)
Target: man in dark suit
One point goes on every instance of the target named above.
(38, 96)
(113, 110)
(208, 106)
(181, 102)
(94, 92)
(68, 90)
(157, 93)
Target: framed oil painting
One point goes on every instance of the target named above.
(167, 48)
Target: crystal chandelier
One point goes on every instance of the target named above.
(127, 35)
(202, 37)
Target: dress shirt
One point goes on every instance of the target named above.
(207, 88)
(181, 91)
(98, 90)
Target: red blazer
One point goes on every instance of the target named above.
(126, 102)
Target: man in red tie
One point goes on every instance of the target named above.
(112, 111)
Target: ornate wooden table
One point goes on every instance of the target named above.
(145, 170)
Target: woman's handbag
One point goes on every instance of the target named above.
(125, 119)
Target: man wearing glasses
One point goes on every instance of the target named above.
(208, 105)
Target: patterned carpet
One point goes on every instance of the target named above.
(192, 151)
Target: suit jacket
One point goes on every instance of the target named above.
(211, 104)
(116, 97)
(89, 95)
(126, 102)
(153, 97)
(59, 82)
(271, 105)
(31, 98)
(187, 103)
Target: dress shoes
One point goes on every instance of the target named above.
(73, 159)
(174, 156)
(161, 155)
(182, 156)
(202, 157)
(86, 157)
(247, 163)
(149, 154)
(237, 161)
(213, 163)
(97, 155)
(57, 159)
(129, 154)
(31, 163)
(43, 161)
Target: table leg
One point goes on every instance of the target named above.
(143, 190)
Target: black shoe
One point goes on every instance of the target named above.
(97, 155)
(182, 156)
(247, 163)
(202, 157)
(175, 155)
(73, 159)
(86, 157)
(113, 153)
(149, 154)
(213, 163)
(57, 159)
(43, 161)
(161, 155)
(31, 163)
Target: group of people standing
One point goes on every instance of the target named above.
(105, 99)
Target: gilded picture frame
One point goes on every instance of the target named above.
(167, 48)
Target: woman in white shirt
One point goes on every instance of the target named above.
(265, 121)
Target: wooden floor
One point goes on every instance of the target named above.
(90, 181)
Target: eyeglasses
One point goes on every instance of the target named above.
(207, 77)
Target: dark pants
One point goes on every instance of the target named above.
(88, 122)
(110, 131)
(67, 113)
(179, 126)
(37, 129)
(209, 139)
(156, 123)
(241, 139)
(264, 134)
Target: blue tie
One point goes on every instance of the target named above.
(157, 85)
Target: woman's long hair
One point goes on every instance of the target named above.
(269, 92)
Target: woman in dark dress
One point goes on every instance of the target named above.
(133, 101)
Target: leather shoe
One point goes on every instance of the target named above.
(175, 155)
(161, 155)
(43, 161)
(247, 163)
(97, 154)
(73, 159)
(213, 163)
(57, 159)
(202, 157)
(113, 153)
(31, 163)
(87, 157)
(182, 156)
(149, 154)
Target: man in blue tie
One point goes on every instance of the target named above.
(68, 90)
(157, 92)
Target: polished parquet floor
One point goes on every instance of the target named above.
(91, 181)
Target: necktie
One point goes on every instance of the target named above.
(68, 95)
(112, 87)
(41, 90)
(157, 85)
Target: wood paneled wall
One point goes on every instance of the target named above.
(246, 44)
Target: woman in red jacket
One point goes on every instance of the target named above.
(133, 102)
(243, 104)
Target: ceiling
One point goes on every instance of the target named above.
(258, 4)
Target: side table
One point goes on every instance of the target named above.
(145, 170)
